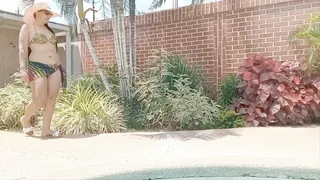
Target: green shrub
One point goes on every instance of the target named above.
(172, 98)
(82, 110)
(95, 81)
(228, 90)
(307, 38)
(133, 114)
(151, 95)
(87, 80)
(113, 75)
(175, 68)
(13, 100)
(188, 108)
(229, 119)
(132, 109)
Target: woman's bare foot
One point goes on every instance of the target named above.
(25, 123)
(27, 128)
(50, 133)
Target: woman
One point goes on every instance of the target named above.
(39, 65)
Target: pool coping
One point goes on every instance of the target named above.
(216, 171)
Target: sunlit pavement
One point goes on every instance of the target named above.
(85, 157)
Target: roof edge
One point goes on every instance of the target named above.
(18, 17)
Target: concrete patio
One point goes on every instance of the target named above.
(91, 156)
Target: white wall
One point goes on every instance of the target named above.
(75, 57)
(9, 57)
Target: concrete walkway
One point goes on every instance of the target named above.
(80, 157)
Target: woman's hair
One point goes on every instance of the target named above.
(49, 28)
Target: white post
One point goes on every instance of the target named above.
(68, 55)
(175, 4)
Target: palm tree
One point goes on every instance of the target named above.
(118, 25)
(307, 38)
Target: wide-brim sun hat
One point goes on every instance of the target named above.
(29, 14)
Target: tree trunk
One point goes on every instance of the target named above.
(132, 33)
(120, 47)
(94, 56)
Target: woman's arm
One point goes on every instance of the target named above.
(23, 48)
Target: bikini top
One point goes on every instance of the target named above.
(40, 38)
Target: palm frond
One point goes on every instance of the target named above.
(24, 4)
(104, 9)
(88, 1)
(308, 33)
(126, 6)
(307, 37)
(68, 11)
(197, 2)
(315, 18)
(156, 4)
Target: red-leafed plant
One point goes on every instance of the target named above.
(274, 92)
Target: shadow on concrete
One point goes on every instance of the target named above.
(314, 125)
(65, 137)
(84, 136)
(188, 135)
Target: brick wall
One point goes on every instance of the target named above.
(217, 37)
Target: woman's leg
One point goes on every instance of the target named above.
(39, 97)
(54, 81)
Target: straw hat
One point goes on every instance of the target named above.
(28, 16)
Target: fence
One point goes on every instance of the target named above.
(218, 36)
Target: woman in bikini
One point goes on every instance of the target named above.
(40, 65)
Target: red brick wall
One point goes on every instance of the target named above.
(217, 37)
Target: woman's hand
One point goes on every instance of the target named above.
(24, 76)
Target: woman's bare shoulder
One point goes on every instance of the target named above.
(24, 29)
